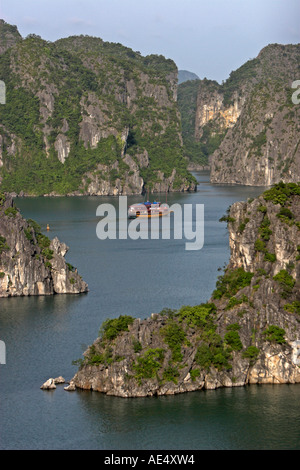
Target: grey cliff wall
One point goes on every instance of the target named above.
(103, 119)
(30, 263)
(262, 148)
(248, 332)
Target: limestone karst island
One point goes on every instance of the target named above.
(31, 263)
(247, 333)
(84, 121)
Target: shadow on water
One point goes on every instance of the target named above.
(251, 417)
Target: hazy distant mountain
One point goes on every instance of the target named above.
(185, 75)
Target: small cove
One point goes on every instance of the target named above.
(44, 335)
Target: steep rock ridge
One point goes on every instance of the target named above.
(248, 127)
(263, 146)
(30, 263)
(89, 104)
(248, 332)
(208, 110)
(210, 107)
(9, 36)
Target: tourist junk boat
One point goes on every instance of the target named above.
(148, 209)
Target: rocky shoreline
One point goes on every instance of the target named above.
(247, 333)
(31, 263)
(98, 188)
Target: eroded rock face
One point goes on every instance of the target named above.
(210, 108)
(30, 263)
(249, 125)
(262, 148)
(248, 332)
(49, 385)
(118, 378)
(94, 114)
(9, 35)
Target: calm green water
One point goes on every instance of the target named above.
(44, 335)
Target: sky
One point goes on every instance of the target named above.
(210, 38)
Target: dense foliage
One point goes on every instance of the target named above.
(80, 73)
(148, 364)
(111, 328)
(231, 282)
(281, 192)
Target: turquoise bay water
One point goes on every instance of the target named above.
(43, 335)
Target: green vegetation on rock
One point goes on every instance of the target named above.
(174, 336)
(148, 365)
(293, 307)
(274, 334)
(231, 282)
(81, 102)
(281, 192)
(111, 328)
(286, 281)
(3, 245)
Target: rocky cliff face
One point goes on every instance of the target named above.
(211, 109)
(262, 148)
(9, 36)
(208, 110)
(30, 263)
(99, 119)
(248, 332)
(248, 127)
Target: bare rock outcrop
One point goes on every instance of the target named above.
(95, 108)
(247, 333)
(262, 148)
(30, 263)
